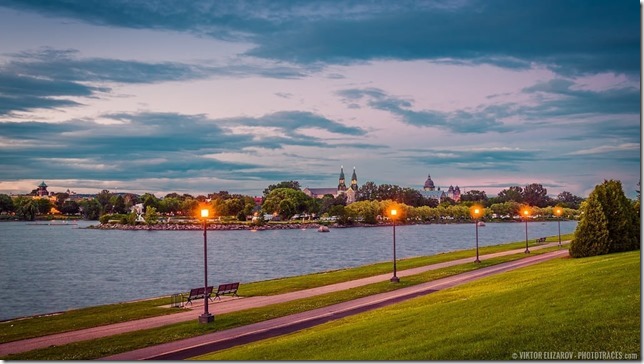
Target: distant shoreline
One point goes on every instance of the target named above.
(280, 226)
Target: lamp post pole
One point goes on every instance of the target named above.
(394, 279)
(525, 215)
(475, 213)
(206, 317)
(476, 223)
(558, 213)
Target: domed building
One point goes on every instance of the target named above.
(431, 191)
(429, 184)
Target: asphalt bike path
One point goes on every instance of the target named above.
(227, 305)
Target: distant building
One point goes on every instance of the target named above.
(431, 191)
(42, 189)
(350, 192)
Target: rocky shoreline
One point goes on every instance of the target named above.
(181, 227)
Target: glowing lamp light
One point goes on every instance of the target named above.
(394, 212)
(204, 213)
(558, 211)
(526, 212)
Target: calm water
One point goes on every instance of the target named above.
(54, 268)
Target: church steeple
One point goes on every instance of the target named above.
(354, 180)
(341, 185)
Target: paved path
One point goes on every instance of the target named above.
(228, 305)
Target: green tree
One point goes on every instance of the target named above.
(295, 185)
(567, 199)
(150, 200)
(170, 205)
(90, 209)
(69, 208)
(591, 235)
(606, 208)
(368, 191)
(151, 216)
(514, 193)
(103, 199)
(6, 203)
(474, 196)
(368, 211)
(286, 202)
(536, 195)
(43, 205)
(26, 208)
(117, 203)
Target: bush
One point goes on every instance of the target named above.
(609, 223)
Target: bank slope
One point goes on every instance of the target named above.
(566, 305)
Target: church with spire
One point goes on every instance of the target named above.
(342, 189)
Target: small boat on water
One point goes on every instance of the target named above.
(323, 229)
(480, 223)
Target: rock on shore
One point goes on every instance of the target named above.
(200, 227)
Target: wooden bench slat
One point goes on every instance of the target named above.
(196, 293)
(227, 288)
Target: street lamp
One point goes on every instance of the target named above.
(558, 212)
(206, 316)
(526, 214)
(393, 213)
(476, 213)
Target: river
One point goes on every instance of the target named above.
(51, 268)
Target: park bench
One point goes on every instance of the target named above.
(228, 288)
(541, 240)
(196, 293)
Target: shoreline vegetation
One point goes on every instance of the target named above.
(283, 225)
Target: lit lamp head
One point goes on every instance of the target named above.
(558, 211)
(476, 211)
(394, 212)
(204, 213)
(526, 212)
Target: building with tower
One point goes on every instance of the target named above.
(431, 191)
(342, 189)
(42, 190)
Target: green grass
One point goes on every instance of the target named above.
(575, 305)
(93, 349)
(109, 314)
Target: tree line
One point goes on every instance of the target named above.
(286, 199)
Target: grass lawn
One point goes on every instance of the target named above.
(564, 305)
(98, 348)
(109, 314)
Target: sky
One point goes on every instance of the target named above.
(203, 96)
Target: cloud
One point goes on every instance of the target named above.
(567, 36)
(603, 149)
(47, 78)
(293, 122)
(495, 159)
(481, 120)
(147, 145)
(562, 99)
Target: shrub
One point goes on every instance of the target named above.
(609, 223)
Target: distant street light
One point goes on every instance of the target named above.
(476, 211)
(526, 214)
(206, 317)
(558, 212)
(393, 214)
